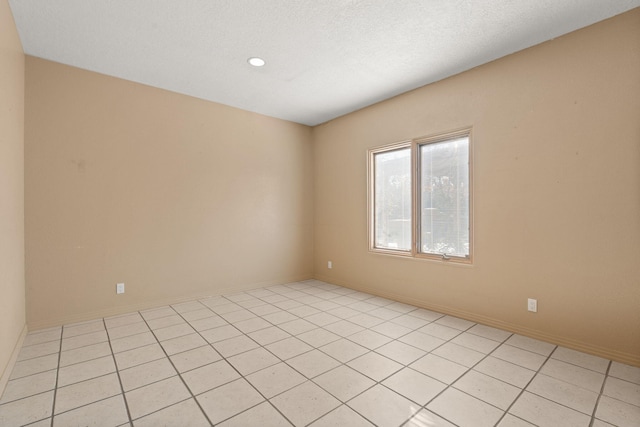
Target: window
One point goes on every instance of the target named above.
(420, 198)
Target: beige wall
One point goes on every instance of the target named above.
(174, 196)
(556, 134)
(12, 299)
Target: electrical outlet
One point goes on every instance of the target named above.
(329, 265)
(532, 305)
(120, 288)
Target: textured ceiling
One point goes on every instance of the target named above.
(325, 58)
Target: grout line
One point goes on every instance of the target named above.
(604, 382)
(55, 389)
(115, 364)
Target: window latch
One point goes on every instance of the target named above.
(445, 257)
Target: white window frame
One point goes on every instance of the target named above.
(414, 146)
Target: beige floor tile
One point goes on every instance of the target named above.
(383, 407)
(28, 386)
(488, 389)
(279, 317)
(229, 400)
(622, 390)
(415, 386)
(174, 331)
(210, 376)
(233, 346)
(263, 415)
(441, 369)
(545, 413)
(342, 416)
(489, 332)
(297, 326)
(146, 373)
(156, 313)
(201, 325)
(122, 320)
(126, 330)
(344, 382)
(252, 325)
(428, 315)
(455, 322)
(369, 339)
(80, 394)
(426, 418)
(511, 421)
(475, 342)
(572, 374)
(464, 410)
(34, 366)
(84, 354)
(520, 357)
(24, 411)
(625, 372)
(185, 413)
(618, 413)
(312, 363)
(459, 354)
(385, 313)
(153, 397)
(187, 307)
(275, 379)
(391, 330)
(366, 320)
(237, 315)
(583, 360)
(195, 358)
(305, 403)
(138, 356)
(253, 360)
(86, 370)
(37, 337)
(107, 412)
(133, 341)
(288, 348)
(183, 343)
(422, 341)
(563, 393)
(318, 337)
(38, 350)
(440, 331)
(82, 328)
(505, 371)
(265, 309)
(343, 350)
(166, 321)
(375, 366)
(220, 333)
(322, 318)
(535, 346)
(268, 335)
(344, 328)
(84, 340)
(400, 352)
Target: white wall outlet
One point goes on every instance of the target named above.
(120, 288)
(329, 265)
(532, 305)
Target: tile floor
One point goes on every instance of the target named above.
(308, 353)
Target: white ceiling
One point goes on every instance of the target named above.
(325, 58)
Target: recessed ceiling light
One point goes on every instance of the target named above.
(256, 62)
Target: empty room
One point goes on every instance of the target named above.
(320, 213)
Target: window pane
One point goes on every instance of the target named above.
(393, 199)
(444, 177)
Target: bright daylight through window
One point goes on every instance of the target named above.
(420, 198)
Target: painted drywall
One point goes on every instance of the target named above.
(12, 301)
(556, 136)
(173, 196)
